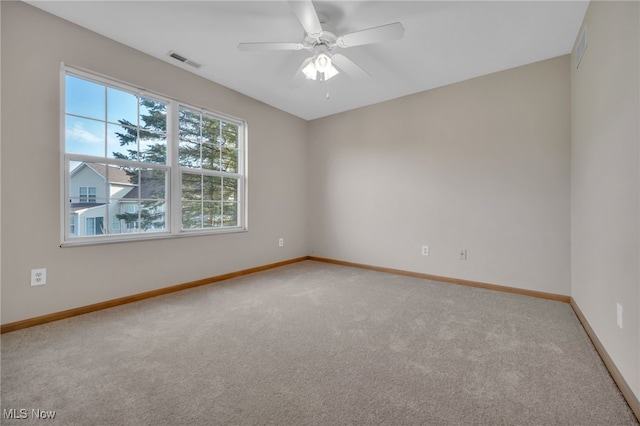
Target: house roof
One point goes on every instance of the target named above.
(77, 207)
(150, 187)
(116, 174)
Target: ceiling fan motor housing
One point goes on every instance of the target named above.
(326, 38)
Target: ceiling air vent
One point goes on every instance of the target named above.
(182, 59)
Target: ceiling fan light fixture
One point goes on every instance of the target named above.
(320, 68)
(310, 71)
(330, 72)
(323, 62)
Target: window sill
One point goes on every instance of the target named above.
(90, 241)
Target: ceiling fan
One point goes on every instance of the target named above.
(321, 39)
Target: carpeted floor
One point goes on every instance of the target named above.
(314, 344)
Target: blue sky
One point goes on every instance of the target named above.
(92, 117)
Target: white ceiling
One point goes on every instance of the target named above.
(444, 42)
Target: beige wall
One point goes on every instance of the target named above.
(0, 162)
(33, 45)
(605, 181)
(504, 166)
(481, 165)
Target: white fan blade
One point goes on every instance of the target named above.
(348, 66)
(254, 47)
(387, 32)
(306, 14)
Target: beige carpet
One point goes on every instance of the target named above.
(314, 344)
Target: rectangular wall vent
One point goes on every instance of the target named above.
(582, 46)
(182, 59)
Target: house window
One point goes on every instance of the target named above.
(154, 167)
(129, 217)
(73, 224)
(94, 225)
(87, 194)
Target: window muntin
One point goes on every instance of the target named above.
(125, 162)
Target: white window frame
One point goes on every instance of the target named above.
(239, 174)
(173, 209)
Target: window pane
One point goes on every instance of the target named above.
(210, 157)
(87, 182)
(211, 188)
(88, 218)
(122, 142)
(84, 98)
(123, 182)
(83, 136)
(230, 189)
(210, 130)
(230, 214)
(230, 135)
(153, 147)
(191, 186)
(229, 162)
(153, 184)
(191, 214)
(132, 217)
(153, 115)
(212, 215)
(189, 155)
(122, 107)
(189, 125)
(115, 226)
(125, 217)
(152, 216)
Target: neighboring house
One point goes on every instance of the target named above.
(99, 193)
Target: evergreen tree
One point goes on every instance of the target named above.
(150, 183)
(204, 143)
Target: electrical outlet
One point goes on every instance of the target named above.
(425, 250)
(462, 254)
(281, 242)
(38, 277)
(619, 315)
